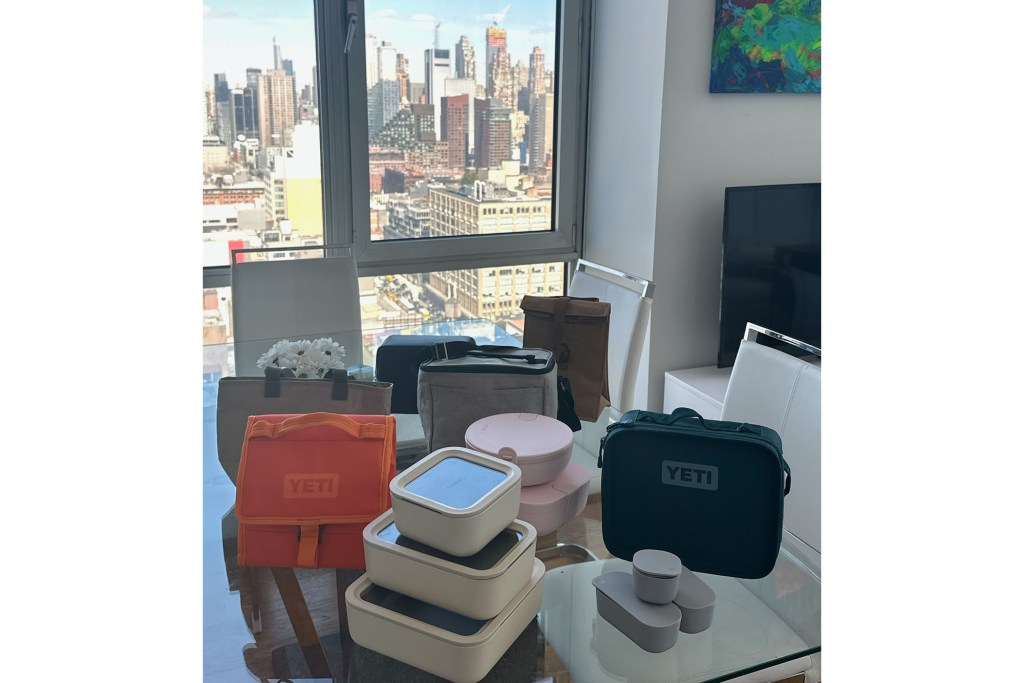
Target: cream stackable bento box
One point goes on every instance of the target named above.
(451, 575)
(479, 586)
(456, 499)
(453, 646)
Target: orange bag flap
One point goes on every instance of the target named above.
(317, 468)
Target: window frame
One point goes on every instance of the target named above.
(344, 143)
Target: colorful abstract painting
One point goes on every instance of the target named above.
(766, 46)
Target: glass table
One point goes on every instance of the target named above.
(264, 624)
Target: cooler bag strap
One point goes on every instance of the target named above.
(662, 419)
(484, 352)
(262, 428)
(447, 349)
(309, 536)
(685, 413)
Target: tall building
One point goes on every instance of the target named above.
(315, 94)
(252, 77)
(493, 133)
(437, 68)
(278, 63)
(520, 76)
(303, 190)
(455, 116)
(246, 110)
(499, 67)
(382, 104)
(387, 62)
(221, 89)
(520, 89)
(424, 126)
(286, 64)
(465, 86)
(492, 292)
(402, 76)
(412, 129)
(372, 73)
(496, 39)
(499, 80)
(465, 59)
(210, 110)
(224, 123)
(276, 101)
(542, 117)
(536, 83)
(383, 98)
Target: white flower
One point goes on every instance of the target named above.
(308, 359)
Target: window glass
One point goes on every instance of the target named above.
(460, 109)
(261, 142)
(262, 184)
(479, 302)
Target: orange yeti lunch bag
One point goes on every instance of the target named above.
(308, 484)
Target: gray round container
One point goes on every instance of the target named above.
(696, 602)
(656, 576)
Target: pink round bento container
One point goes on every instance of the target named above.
(550, 505)
(541, 446)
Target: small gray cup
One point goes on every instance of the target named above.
(656, 576)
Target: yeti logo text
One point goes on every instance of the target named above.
(688, 474)
(311, 485)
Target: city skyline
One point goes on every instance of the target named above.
(238, 35)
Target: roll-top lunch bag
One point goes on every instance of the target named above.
(308, 484)
(464, 383)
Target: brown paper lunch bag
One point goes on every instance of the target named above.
(575, 329)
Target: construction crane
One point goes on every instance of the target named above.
(500, 16)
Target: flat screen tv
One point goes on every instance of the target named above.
(771, 264)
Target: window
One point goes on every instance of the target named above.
(447, 138)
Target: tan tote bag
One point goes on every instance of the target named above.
(575, 329)
(279, 393)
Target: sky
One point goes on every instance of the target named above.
(238, 34)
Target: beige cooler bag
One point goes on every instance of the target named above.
(462, 385)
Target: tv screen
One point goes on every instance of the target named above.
(771, 264)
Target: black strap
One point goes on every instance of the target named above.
(272, 382)
(339, 384)
(677, 415)
(567, 405)
(482, 352)
(448, 349)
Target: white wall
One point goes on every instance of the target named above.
(668, 225)
(627, 77)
